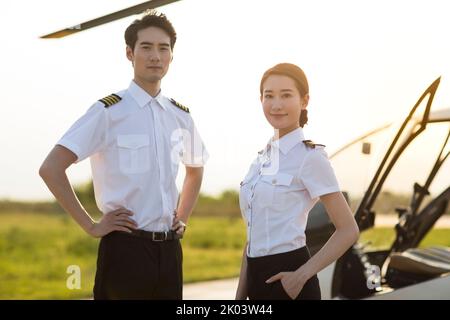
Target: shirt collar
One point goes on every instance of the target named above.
(142, 97)
(288, 141)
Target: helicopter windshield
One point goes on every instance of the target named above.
(356, 163)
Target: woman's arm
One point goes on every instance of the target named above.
(346, 234)
(242, 289)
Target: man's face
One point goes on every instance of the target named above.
(151, 55)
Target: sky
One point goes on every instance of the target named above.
(367, 63)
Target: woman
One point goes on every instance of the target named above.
(283, 184)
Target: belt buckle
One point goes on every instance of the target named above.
(155, 239)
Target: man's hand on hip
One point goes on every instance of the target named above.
(117, 220)
(178, 225)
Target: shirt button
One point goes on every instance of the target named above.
(274, 181)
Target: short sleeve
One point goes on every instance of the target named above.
(195, 153)
(317, 174)
(87, 135)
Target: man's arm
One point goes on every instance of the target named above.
(53, 172)
(189, 196)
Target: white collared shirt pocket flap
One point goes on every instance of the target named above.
(279, 179)
(133, 141)
(134, 153)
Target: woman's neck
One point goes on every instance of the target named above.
(280, 133)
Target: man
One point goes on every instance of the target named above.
(135, 140)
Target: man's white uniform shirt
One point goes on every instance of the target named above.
(135, 147)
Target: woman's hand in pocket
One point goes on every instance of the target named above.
(292, 282)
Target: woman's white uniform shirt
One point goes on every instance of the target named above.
(281, 187)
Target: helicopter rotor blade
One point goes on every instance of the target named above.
(108, 18)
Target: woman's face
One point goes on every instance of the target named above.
(282, 103)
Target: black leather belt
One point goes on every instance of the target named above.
(157, 236)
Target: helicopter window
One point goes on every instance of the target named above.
(356, 163)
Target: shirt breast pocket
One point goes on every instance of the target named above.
(274, 189)
(134, 152)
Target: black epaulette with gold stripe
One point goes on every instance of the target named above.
(179, 105)
(311, 144)
(110, 100)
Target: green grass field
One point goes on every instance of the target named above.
(36, 249)
(382, 238)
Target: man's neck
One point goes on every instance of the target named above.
(152, 88)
